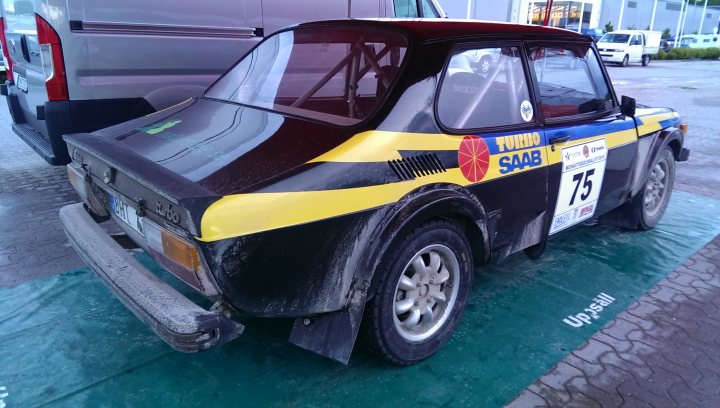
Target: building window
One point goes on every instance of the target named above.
(673, 6)
(632, 4)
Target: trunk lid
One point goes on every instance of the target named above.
(222, 148)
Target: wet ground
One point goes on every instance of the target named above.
(693, 89)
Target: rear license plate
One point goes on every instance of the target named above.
(22, 83)
(126, 212)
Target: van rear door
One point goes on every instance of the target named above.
(27, 59)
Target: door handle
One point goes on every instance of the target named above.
(560, 138)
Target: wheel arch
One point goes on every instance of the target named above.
(668, 137)
(447, 202)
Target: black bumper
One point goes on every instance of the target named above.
(181, 323)
(43, 128)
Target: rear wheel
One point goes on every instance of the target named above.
(625, 61)
(424, 289)
(645, 60)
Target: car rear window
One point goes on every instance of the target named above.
(333, 74)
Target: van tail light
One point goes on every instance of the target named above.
(52, 61)
(5, 49)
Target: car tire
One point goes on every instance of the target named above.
(650, 204)
(625, 61)
(424, 287)
(485, 63)
(645, 60)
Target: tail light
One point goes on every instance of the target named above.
(179, 256)
(52, 61)
(6, 53)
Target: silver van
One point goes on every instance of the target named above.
(78, 66)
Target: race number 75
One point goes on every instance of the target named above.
(587, 185)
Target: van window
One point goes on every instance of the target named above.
(337, 75)
(472, 97)
(615, 38)
(570, 81)
(406, 8)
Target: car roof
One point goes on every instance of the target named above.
(442, 29)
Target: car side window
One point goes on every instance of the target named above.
(570, 80)
(484, 87)
(406, 8)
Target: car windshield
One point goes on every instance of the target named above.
(333, 74)
(615, 38)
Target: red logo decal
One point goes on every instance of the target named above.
(473, 158)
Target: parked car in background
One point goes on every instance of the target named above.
(627, 46)
(595, 33)
(78, 66)
(700, 41)
(367, 184)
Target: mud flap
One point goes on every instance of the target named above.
(331, 335)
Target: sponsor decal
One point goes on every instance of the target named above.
(520, 161)
(582, 177)
(588, 209)
(473, 158)
(590, 313)
(159, 127)
(518, 142)
(526, 110)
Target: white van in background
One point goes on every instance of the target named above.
(626, 46)
(78, 66)
(700, 41)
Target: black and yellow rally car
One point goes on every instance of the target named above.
(357, 171)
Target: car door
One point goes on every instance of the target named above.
(591, 146)
(502, 155)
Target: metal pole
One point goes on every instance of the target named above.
(546, 20)
(468, 10)
(684, 20)
(622, 9)
(582, 11)
(677, 30)
(652, 19)
(702, 18)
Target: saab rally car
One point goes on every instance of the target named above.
(342, 172)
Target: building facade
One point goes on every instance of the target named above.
(579, 14)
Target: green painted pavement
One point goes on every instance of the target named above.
(67, 341)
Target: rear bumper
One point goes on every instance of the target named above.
(43, 127)
(181, 323)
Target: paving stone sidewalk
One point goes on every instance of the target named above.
(662, 351)
(32, 242)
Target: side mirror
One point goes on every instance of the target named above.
(627, 106)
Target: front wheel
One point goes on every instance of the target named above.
(425, 286)
(649, 205)
(625, 61)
